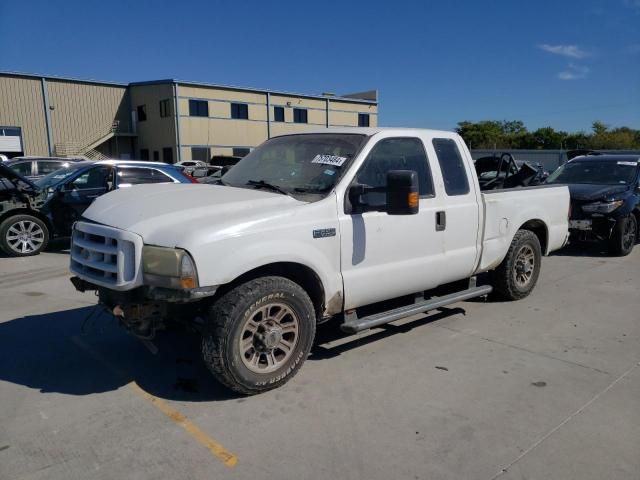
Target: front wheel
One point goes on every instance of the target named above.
(23, 235)
(518, 273)
(259, 334)
(624, 236)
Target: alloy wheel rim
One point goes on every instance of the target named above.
(25, 236)
(524, 266)
(269, 338)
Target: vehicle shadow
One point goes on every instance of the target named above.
(83, 351)
(330, 332)
(583, 249)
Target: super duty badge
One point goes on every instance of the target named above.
(324, 232)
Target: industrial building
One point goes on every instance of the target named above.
(164, 120)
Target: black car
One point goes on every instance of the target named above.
(503, 171)
(33, 212)
(605, 198)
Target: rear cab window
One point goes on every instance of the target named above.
(454, 173)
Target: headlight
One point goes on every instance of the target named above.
(602, 207)
(168, 267)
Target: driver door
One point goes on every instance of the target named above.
(77, 194)
(384, 256)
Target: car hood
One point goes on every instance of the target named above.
(595, 192)
(21, 183)
(178, 214)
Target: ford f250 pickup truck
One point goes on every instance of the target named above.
(309, 227)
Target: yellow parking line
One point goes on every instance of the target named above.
(216, 448)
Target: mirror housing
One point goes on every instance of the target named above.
(403, 195)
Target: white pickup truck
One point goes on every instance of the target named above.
(309, 227)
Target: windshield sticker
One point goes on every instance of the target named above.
(628, 164)
(334, 160)
(329, 172)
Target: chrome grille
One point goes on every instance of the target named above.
(106, 256)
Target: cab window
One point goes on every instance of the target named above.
(452, 166)
(395, 154)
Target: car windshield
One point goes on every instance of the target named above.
(304, 163)
(600, 172)
(58, 176)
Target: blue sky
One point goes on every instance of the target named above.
(549, 63)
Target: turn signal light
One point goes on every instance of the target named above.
(413, 199)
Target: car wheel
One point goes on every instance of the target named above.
(259, 334)
(624, 236)
(23, 236)
(518, 273)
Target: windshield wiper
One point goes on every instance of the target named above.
(270, 186)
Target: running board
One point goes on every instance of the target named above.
(353, 324)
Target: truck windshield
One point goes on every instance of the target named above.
(599, 172)
(304, 163)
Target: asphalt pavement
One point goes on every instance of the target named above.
(544, 388)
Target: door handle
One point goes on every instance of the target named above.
(441, 221)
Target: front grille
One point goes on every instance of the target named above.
(106, 256)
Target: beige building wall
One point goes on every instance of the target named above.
(22, 105)
(220, 133)
(155, 133)
(84, 112)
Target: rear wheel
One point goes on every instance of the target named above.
(518, 273)
(624, 236)
(23, 235)
(259, 334)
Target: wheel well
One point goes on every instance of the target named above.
(539, 228)
(26, 211)
(296, 272)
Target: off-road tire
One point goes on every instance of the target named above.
(619, 243)
(226, 323)
(15, 219)
(504, 277)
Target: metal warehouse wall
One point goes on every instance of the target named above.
(83, 112)
(22, 105)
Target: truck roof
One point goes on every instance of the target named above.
(374, 130)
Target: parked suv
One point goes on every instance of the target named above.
(605, 198)
(33, 212)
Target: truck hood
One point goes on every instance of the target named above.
(586, 192)
(175, 214)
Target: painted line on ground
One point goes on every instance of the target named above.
(215, 448)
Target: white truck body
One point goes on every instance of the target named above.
(372, 256)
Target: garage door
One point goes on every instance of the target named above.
(10, 139)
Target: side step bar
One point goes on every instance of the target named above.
(353, 324)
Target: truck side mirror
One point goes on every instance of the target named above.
(403, 196)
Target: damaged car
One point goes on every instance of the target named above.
(499, 171)
(605, 199)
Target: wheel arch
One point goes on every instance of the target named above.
(540, 229)
(299, 273)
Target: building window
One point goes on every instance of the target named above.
(200, 153)
(240, 110)
(156, 156)
(363, 119)
(300, 115)
(241, 151)
(142, 113)
(165, 108)
(198, 108)
(167, 155)
(144, 154)
(278, 114)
